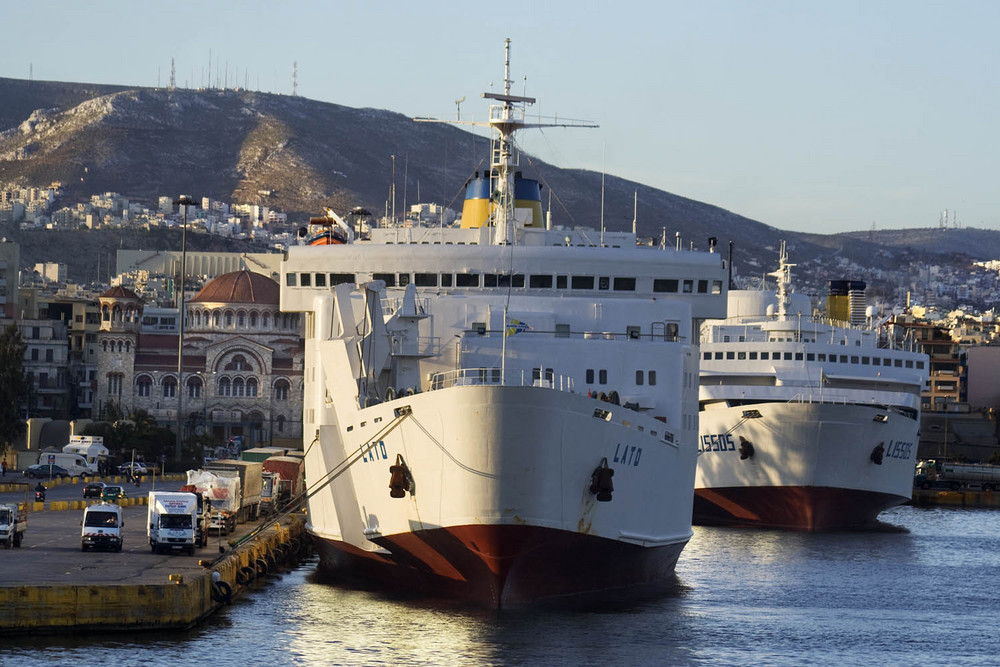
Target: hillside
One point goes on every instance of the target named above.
(298, 155)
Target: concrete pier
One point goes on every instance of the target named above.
(50, 585)
(961, 498)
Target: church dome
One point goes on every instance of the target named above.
(239, 287)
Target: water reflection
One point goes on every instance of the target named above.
(919, 589)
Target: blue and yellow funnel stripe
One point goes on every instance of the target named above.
(477, 207)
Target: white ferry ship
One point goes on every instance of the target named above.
(503, 411)
(805, 423)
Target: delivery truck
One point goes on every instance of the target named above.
(172, 522)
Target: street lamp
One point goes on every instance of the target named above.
(183, 201)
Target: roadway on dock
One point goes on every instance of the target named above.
(50, 553)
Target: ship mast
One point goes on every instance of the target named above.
(784, 276)
(506, 117)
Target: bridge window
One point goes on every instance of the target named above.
(625, 284)
(305, 280)
(582, 282)
(341, 278)
(664, 285)
(466, 280)
(540, 281)
(425, 279)
(388, 278)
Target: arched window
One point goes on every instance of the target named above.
(105, 313)
(169, 387)
(265, 322)
(281, 390)
(229, 319)
(238, 363)
(128, 346)
(194, 387)
(215, 319)
(241, 319)
(115, 384)
(225, 387)
(104, 344)
(142, 386)
(251, 386)
(280, 420)
(238, 387)
(253, 320)
(119, 346)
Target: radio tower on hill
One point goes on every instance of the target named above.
(295, 78)
(173, 75)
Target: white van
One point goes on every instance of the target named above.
(172, 521)
(76, 464)
(103, 527)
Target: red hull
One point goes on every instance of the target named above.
(813, 508)
(503, 566)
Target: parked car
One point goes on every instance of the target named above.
(45, 471)
(112, 493)
(129, 468)
(93, 490)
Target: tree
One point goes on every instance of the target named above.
(14, 387)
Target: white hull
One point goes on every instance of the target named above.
(507, 470)
(812, 465)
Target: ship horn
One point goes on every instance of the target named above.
(746, 449)
(878, 453)
(600, 481)
(400, 480)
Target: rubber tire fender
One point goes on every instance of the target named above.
(222, 592)
(245, 575)
(261, 567)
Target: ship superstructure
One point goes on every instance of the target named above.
(805, 423)
(503, 412)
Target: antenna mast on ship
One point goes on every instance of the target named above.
(506, 118)
(784, 276)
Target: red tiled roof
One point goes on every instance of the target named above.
(239, 287)
(119, 292)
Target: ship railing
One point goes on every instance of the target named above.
(493, 376)
(394, 304)
(415, 346)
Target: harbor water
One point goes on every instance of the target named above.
(921, 589)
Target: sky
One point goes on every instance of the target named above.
(809, 116)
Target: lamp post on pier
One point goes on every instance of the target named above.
(184, 201)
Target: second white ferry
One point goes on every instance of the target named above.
(503, 412)
(805, 423)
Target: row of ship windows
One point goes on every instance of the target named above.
(533, 281)
(641, 377)
(811, 356)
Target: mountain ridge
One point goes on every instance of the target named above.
(235, 145)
